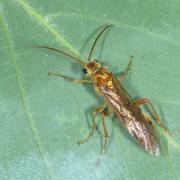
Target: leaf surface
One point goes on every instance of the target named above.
(42, 117)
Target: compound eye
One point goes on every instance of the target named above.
(84, 70)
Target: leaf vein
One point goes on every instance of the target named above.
(23, 95)
(117, 23)
(32, 12)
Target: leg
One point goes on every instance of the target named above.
(70, 78)
(153, 111)
(166, 132)
(126, 71)
(148, 102)
(173, 133)
(104, 114)
(147, 117)
(98, 109)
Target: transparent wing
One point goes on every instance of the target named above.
(131, 115)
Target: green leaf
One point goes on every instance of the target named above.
(42, 118)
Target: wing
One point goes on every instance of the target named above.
(145, 134)
(131, 115)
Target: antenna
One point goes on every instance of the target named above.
(98, 36)
(62, 52)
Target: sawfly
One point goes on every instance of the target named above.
(116, 100)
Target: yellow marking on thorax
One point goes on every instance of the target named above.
(110, 84)
(104, 78)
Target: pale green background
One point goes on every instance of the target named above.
(42, 118)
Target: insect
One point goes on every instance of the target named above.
(116, 100)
